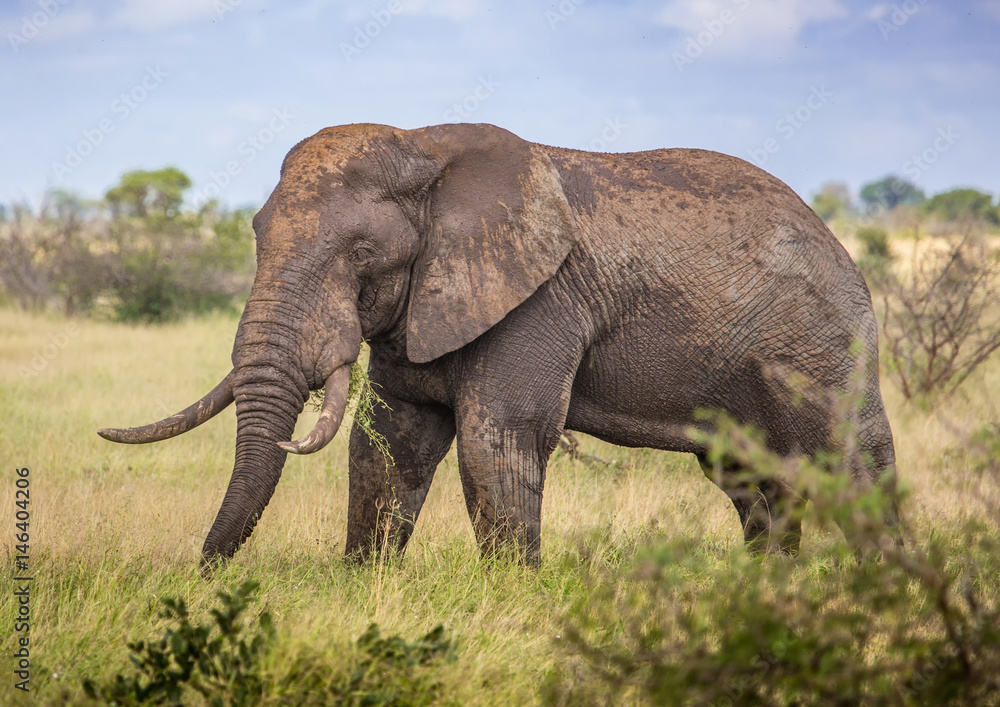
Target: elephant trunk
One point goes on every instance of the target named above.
(269, 398)
(266, 411)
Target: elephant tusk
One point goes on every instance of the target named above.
(217, 400)
(334, 406)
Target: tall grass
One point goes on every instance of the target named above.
(114, 528)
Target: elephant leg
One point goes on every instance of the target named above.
(769, 512)
(508, 426)
(503, 476)
(385, 497)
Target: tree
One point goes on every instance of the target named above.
(963, 205)
(63, 207)
(833, 200)
(139, 192)
(890, 192)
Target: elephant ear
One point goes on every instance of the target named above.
(499, 226)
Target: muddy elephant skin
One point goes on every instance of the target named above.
(511, 290)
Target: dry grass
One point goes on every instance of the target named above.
(113, 527)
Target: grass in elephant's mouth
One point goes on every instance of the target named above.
(362, 398)
(114, 527)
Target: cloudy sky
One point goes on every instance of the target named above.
(812, 90)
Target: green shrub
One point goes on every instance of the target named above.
(215, 659)
(148, 262)
(386, 671)
(876, 257)
(919, 627)
(224, 660)
(963, 205)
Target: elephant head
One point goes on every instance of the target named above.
(425, 238)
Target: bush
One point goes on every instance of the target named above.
(963, 205)
(148, 262)
(876, 259)
(833, 200)
(920, 627)
(167, 267)
(214, 660)
(224, 662)
(941, 322)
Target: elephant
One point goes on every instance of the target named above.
(509, 291)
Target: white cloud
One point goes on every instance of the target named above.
(760, 28)
(152, 15)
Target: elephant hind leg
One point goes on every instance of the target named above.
(873, 465)
(769, 512)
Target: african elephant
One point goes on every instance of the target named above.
(511, 290)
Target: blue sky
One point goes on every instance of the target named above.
(812, 90)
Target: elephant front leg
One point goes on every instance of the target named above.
(502, 464)
(386, 496)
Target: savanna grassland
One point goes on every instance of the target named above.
(114, 528)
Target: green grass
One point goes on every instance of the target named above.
(114, 527)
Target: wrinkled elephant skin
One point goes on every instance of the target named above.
(510, 291)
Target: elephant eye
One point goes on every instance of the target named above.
(362, 255)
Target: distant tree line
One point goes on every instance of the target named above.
(966, 206)
(134, 255)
